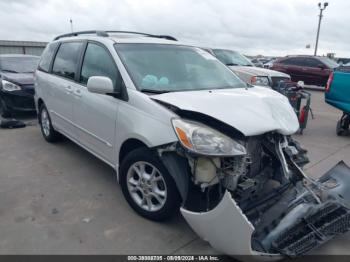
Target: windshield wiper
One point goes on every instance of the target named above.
(153, 91)
(231, 64)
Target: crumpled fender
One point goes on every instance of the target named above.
(226, 228)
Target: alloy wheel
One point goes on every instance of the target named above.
(45, 122)
(146, 186)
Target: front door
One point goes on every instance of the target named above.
(96, 115)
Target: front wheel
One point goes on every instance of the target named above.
(148, 186)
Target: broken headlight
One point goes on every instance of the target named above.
(204, 140)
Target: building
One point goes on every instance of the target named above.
(22, 47)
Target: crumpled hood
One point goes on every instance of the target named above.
(257, 71)
(252, 111)
(19, 78)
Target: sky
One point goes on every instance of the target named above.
(252, 27)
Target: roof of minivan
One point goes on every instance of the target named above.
(124, 39)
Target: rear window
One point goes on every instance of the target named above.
(328, 62)
(66, 60)
(46, 57)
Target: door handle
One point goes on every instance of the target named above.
(77, 92)
(69, 89)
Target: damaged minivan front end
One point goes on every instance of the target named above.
(248, 195)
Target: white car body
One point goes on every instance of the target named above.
(104, 125)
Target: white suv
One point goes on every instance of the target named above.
(184, 132)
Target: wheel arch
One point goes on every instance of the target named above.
(129, 145)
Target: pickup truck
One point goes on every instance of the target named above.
(337, 94)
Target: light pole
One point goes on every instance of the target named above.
(319, 23)
(71, 24)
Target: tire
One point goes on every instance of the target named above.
(154, 197)
(47, 130)
(4, 112)
(340, 131)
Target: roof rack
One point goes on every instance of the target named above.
(91, 32)
(168, 37)
(106, 34)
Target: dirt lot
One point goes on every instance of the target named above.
(58, 199)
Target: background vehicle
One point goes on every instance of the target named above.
(299, 99)
(313, 70)
(343, 61)
(338, 95)
(17, 83)
(190, 135)
(246, 70)
(257, 62)
(269, 64)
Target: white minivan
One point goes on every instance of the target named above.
(183, 132)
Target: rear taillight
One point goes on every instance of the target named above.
(329, 82)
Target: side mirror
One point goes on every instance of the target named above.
(100, 85)
(322, 67)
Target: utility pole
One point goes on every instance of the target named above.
(71, 24)
(319, 23)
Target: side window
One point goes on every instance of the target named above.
(311, 62)
(285, 61)
(98, 62)
(289, 61)
(66, 60)
(46, 57)
(296, 61)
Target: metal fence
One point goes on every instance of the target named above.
(22, 47)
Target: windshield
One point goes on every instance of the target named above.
(19, 64)
(329, 62)
(171, 68)
(229, 57)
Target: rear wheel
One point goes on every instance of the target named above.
(340, 130)
(343, 125)
(46, 127)
(148, 186)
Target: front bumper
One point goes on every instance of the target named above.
(304, 227)
(22, 100)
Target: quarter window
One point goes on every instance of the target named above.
(66, 60)
(98, 62)
(46, 58)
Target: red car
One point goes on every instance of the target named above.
(313, 70)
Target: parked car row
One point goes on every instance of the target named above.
(184, 133)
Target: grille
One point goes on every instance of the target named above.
(313, 230)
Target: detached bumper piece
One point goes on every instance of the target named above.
(314, 230)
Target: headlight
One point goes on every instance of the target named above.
(260, 81)
(204, 140)
(8, 86)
